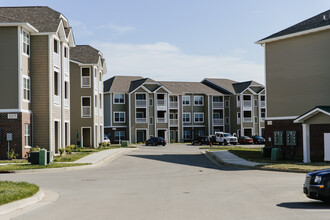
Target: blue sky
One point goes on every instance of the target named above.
(185, 40)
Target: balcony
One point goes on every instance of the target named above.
(56, 59)
(56, 100)
(218, 122)
(161, 120)
(247, 104)
(262, 119)
(262, 104)
(66, 103)
(86, 111)
(141, 120)
(66, 66)
(238, 121)
(238, 103)
(247, 119)
(161, 104)
(100, 86)
(86, 81)
(140, 103)
(173, 104)
(217, 105)
(174, 122)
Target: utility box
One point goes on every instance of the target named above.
(43, 157)
(34, 157)
(276, 153)
(291, 138)
(124, 143)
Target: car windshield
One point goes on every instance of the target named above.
(226, 135)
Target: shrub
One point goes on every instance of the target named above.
(68, 149)
(12, 155)
(36, 148)
(61, 150)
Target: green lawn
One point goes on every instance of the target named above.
(12, 191)
(71, 157)
(30, 166)
(14, 161)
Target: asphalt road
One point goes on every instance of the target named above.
(172, 182)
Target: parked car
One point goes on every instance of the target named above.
(245, 140)
(224, 138)
(201, 140)
(106, 139)
(317, 185)
(258, 140)
(156, 141)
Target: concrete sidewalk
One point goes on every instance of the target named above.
(226, 157)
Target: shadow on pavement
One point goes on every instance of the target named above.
(305, 205)
(197, 160)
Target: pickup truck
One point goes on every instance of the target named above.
(224, 138)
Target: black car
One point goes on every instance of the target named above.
(201, 140)
(156, 141)
(258, 140)
(317, 185)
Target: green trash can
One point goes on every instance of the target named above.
(276, 153)
(124, 143)
(43, 157)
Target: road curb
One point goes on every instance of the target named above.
(13, 206)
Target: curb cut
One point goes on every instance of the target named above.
(13, 206)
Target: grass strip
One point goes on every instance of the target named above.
(13, 191)
(71, 157)
(30, 166)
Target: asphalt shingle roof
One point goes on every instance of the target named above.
(120, 83)
(317, 21)
(84, 54)
(43, 18)
(189, 87)
(226, 84)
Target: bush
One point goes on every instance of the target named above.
(69, 149)
(36, 148)
(104, 145)
(12, 155)
(61, 150)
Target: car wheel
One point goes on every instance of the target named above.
(154, 144)
(225, 142)
(192, 143)
(164, 144)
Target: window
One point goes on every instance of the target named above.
(186, 100)
(217, 99)
(200, 133)
(100, 77)
(56, 84)
(86, 107)
(95, 101)
(26, 43)
(238, 101)
(100, 100)
(85, 77)
(139, 114)
(186, 117)
(263, 113)
(227, 103)
(66, 90)
(198, 100)
(26, 88)
(151, 102)
(151, 120)
(119, 99)
(140, 96)
(227, 120)
(119, 135)
(119, 117)
(65, 52)
(56, 46)
(199, 117)
(27, 135)
(262, 98)
(186, 134)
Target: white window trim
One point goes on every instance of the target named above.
(226, 103)
(188, 113)
(90, 105)
(27, 146)
(28, 78)
(81, 78)
(118, 103)
(198, 113)
(185, 96)
(227, 120)
(195, 96)
(152, 101)
(25, 54)
(114, 117)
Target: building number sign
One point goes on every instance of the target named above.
(12, 116)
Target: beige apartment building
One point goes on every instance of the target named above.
(298, 91)
(87, 67)
(35, 79)
(137, 108)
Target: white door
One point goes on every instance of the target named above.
(326, 146)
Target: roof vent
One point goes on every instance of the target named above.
(324, 17)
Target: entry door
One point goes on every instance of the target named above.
(326, 146)
(140, 136)
(86, 137)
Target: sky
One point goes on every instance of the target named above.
(180, 40)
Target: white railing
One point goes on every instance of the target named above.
(173, 104)
(66, 66)
(247, 104)
(218, 105)
(100, 85)
(174, 122)
(86, 81)
(238, 121)
(238, 103)
(161, 102)
(67, 103)
(247, 119)
(141, 103)
(262, 104)
(161, 120)
(86, 111)
(56, 100)
(141, 120)
(100, 111)
(56, 58)
(218, 122)
(262, 119)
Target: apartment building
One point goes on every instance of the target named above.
(247, 105)
(34, 67)
(297, 94)
(87, 67)
(137, 108)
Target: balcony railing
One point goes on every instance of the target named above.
(141, 103)
(66, 103)
(174, 122)
(262, 119)
(56, 100)
(262, 104)
(86, 81)
(56, 58)
(247, 119)
(161, 104)
(217, 105)
(66, 66)
(238, 121)
(86, 111)
(141, 120)
(173, 104)
(218, 122)
(247, 104)
(161, 120)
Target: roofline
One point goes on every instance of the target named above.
(83, 64)
(310, 114)
(218, 86)
(293, 35)
(164, 87)
(26, 25)
(141, 86)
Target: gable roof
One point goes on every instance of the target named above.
(43, 18)
(189, 87)
(85, 54)
(313, 24)
(119, 83)
(225, 84)
(323, 109)
(240, 87)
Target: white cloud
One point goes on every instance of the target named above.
(79, 28)
(117, 29)
(164, 61)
